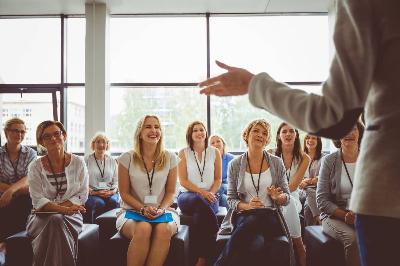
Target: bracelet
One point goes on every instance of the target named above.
(141, 211)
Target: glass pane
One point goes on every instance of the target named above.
(75, 50)
(158, 49)
(230, 115)
(176, 107)
(30, 50)
(289, 48)
(76, 119)
(33, 108)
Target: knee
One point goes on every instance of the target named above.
(56, 219)
(142, 231)
(162, 231)
(113, 203)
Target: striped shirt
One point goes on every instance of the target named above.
(59, 182)
(9, 174)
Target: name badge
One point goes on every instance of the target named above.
(150, 199)
(103, 185)
(202, 185)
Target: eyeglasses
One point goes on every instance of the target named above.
(55, 134)
(17, 131)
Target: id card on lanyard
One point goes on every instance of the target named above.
(150, 198)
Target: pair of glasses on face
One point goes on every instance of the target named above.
(49, 136)
(17, 131)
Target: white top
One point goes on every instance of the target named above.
(107, 166)
(42, 191)
(265, 181)
(192, 168)
(345, 185)
(139, 181)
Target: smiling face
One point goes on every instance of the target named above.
(351, 138)
(151, 131)
(15, 133)
(287, 135)
(53, 138)
(311, 142)
(217, 142)
(199, 134)
(258, 137)
(100, 145)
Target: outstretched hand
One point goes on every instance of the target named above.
(232, 83)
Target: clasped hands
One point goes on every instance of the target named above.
(209, 196)
(152, 212)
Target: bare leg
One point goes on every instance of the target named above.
(161, 239)
(201, 261)
(139, 233)
(299, 251)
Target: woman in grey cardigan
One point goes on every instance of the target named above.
(256, 180)
(58, 185)
(335, 184)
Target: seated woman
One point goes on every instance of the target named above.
(313, 148)
(200, 178)
(147, 179)
(58, 185)
(256, 180)
(103, 179)
(219, 143)
(335, 184)
(296, 162)
(15, 203)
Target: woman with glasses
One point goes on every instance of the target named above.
(15, 203)
(103, 179)
(58, 185)
(335, 186)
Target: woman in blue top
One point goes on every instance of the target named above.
(218, 142)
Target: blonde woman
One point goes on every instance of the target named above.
(200, 178)
(15, 203)
(147, 178)
(103, 179)
(58, 185)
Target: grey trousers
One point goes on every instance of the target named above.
(309, 198)
(345, 234)
(54, 238)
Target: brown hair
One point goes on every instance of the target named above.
(297, 146)
(318, 149)
(261, 122)
(360, 127)
(42, 126)
(189, 132)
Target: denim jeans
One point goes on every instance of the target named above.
(96, 205)
(378, 238)
(223, 190)
(250, 242)
(204, 225)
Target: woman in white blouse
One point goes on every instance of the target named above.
(200, 177)
(147, 179)
(103, 179)
(58, 185)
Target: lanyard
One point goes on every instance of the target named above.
(345, 168)
(287, 173)
(197, 163)
(257, 188)
(58, 185)
(15, 167)
(150, 179)
(98, 166)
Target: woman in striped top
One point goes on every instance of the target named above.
(58, 185)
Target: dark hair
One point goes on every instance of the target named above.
(40, 129)
(318, 149)
(189, 132)
(297, 146)
(360, 127)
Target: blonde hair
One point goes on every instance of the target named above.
(223, 142)
(13, 121)
(40, 129)
(99, 135)
(160, 154)
(261, 122)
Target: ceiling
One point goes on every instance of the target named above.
(52, 7)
